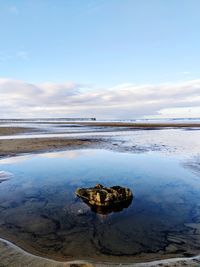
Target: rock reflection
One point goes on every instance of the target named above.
(105, 210)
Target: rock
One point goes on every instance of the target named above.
(100, 196)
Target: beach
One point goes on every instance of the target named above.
(14, 130)
(17, 142)
(17, 146)
(16, 139)
(99, 133)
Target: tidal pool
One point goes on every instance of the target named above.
(40, 212)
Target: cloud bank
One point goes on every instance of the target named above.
(20, 99)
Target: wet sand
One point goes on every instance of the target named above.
(14, 256)
(137, 124)
(15, 130)
(33, 144)
(11, 255)
(16, 146)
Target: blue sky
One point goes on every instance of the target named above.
(100, 44)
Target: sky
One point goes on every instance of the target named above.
(110, 59)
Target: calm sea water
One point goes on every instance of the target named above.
(40, 212)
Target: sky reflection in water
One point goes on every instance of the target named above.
(39, 206)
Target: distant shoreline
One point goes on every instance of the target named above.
(138, 124)
(133, 125)
(14, 141)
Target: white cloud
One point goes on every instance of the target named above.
(192, 112)
(22, 99)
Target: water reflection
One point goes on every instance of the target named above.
(4, 176)
(40, 213)
(105, 210)
(105, 200)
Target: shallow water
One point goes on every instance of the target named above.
(40, 212)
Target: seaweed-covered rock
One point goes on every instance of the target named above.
(105, 196)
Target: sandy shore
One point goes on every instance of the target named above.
(8, 130)
(13, 256)
(137, 124)
(15, 130)
(12, 147)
